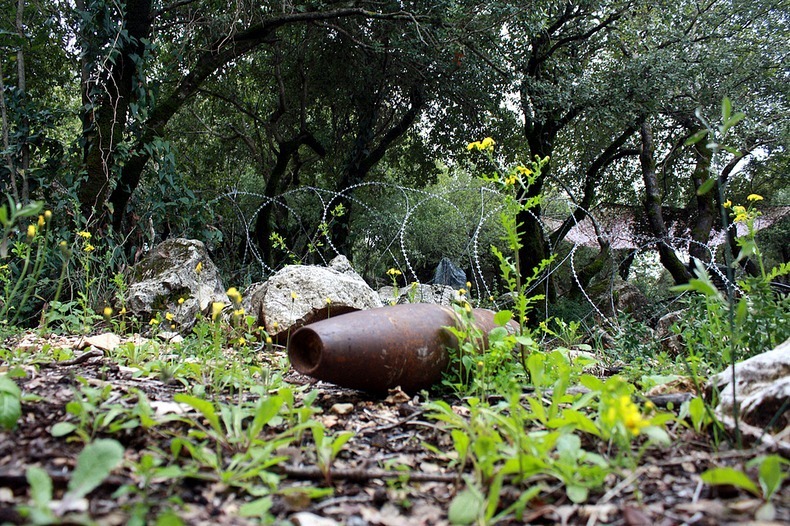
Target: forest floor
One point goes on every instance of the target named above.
(385, 475)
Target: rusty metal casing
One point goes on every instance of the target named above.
(379, 349)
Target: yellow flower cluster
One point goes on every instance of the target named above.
(393, 272)
(626, 411)
(486, 144)
(216, 309)
(742, 214)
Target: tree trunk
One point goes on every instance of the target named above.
(364, 157)
(107, 122)
(653, 207)
(705, 213)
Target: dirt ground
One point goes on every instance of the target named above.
(665, 489)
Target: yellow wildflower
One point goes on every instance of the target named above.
(234, 295)
(511, 180)
(122, 311)
(242, 341)
(754, 197)
(487, 144)
(180, 301)
(523, 170)
(199, 267)
(394, 272)
(239, 312)
(461, 292)
(727, 204)
(629, 414)
(169, 316)
(469, 285)
(329, 301)
(41, 222)
(480, 363)
(107, 312)
(153, 321)
(294, 296)
(268, 340)
(216, 309)
(31, 232)
(275, 325)
(47, 215)
(88, 247)
(84, 234)
(740, 215)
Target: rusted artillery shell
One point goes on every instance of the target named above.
(379, 349)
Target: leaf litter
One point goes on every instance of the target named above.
(385, 475)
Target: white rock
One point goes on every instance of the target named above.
(761, 388)
(176, 268)
(301, 294)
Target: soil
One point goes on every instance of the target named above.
(665, 489)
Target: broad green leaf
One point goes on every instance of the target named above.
(726, 109)
(771, 474)
(577, 494)
(502, 317)
(264, 412)
(697, 137)
(592, 383)
(657, 435)
(732, 121)
(741, 311)
(707, 186)
(257, 508)
(340, 441)
(466, 507)
(169, 518)
(95, 462)
(730, 476)
(62, 429)
(10, 404)
(9, 386)
(204, 407)
(40, 486)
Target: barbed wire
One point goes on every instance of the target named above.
(393, 251)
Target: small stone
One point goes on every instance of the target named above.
(342, 409)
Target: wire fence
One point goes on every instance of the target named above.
(396, 226)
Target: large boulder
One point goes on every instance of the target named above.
(761, 388)
(175, 269)
(301, 294)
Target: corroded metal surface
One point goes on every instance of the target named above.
(379, 349)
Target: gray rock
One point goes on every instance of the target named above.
(448, 273)
(174, 269)
(298, 294)
(670, 342)
(419, 293)
(761, 388)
